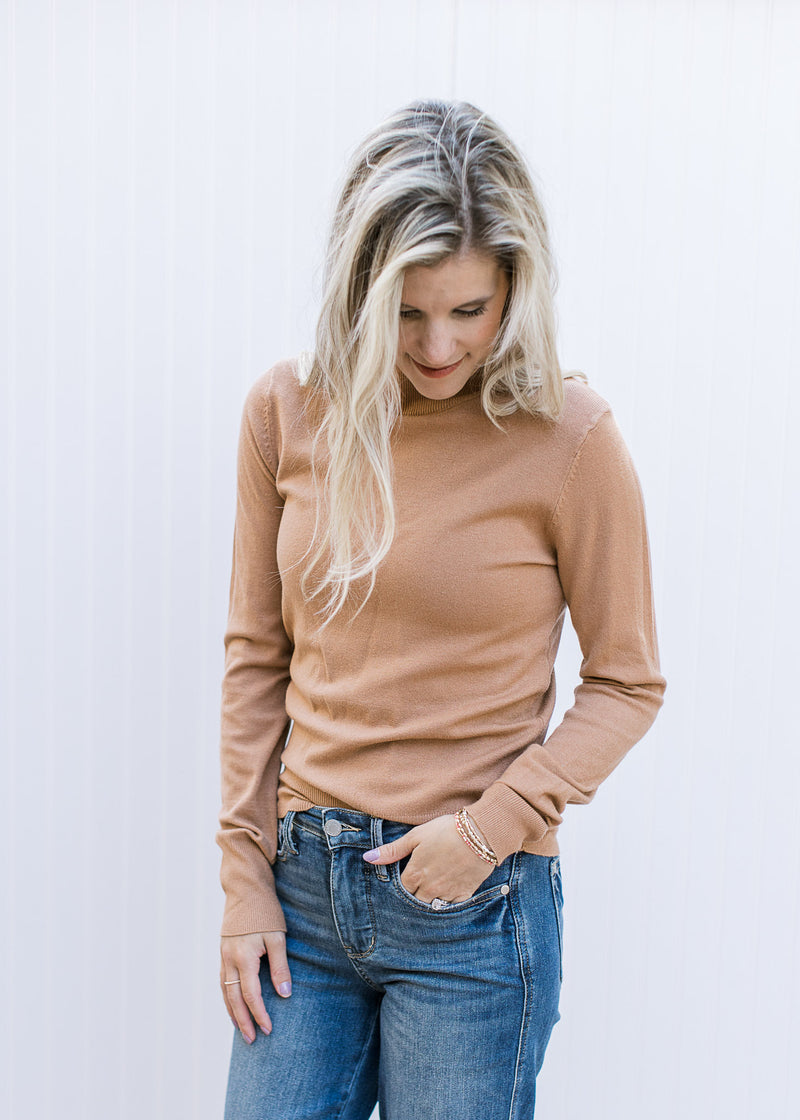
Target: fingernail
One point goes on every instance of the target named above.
(247, 1038)
(267, 1030)
(285, 989)
(371, 856)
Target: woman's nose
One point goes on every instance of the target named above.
(437, 346)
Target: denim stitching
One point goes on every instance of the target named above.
(376, 840)
(351, 952)
(368, 892)
(361, 974)
(311, 829)
(286, 845)
(474, 902)
(524, 968)
(555, 868)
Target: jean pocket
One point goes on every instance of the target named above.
(496, 886)
(557, 888)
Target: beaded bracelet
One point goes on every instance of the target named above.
(469, 834)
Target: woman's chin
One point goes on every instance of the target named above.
(438, 388)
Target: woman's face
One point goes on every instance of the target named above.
(449, 318)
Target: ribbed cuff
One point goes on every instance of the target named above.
(257, 914)
(506, 820)
(251, 904)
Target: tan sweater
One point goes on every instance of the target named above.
(439, 693)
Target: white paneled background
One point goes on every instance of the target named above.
(168, 172)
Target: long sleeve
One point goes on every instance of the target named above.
(600, 537)
(253, 714)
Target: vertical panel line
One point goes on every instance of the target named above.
(11, 1010)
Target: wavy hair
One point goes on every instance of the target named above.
(435, 179)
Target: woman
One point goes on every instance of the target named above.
(416, 510)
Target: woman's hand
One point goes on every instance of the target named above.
(241, 961)
(441, 864)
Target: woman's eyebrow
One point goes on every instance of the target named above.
(473, 302)
(466, 303)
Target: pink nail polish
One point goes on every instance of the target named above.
(372, 855)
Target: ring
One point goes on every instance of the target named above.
(228, 982)
(438, 903)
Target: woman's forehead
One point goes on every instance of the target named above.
(459, 279)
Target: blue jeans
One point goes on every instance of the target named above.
(434, 1013)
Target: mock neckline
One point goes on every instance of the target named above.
(414, 404)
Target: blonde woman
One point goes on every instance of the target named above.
(417, 507)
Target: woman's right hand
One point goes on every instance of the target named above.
(241, 960)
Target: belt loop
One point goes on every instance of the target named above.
(287, 836)
(376, 839)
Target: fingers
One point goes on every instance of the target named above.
(245, 1004)
(239, 978)
(398, 849)
(278, 964)
(441, 864)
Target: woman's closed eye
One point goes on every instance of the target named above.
(462, 313)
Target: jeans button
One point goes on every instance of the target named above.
(333, 827)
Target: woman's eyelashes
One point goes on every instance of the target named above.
(412, 313)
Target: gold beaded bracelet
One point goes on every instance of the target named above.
(469, 834)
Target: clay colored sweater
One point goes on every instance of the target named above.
(439, 693)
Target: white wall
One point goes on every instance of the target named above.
(170, 170)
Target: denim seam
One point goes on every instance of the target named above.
(361, 974)
(455, 908)
(286, 845)
(554, 870)
(376, 840)
(303, 826)
(352, 953)
(320, 833)
(524, 967)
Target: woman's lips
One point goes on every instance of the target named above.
(442, 371)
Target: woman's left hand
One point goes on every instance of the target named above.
(442, 865)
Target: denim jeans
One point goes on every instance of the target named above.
(438, 1014)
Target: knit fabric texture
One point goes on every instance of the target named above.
(437, 694)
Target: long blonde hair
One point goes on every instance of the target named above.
(436, 178)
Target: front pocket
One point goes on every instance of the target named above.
(496, 886)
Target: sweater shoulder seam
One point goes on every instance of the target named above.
(264, 392)
(574, 464)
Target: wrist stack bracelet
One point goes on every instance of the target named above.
(471, 837)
